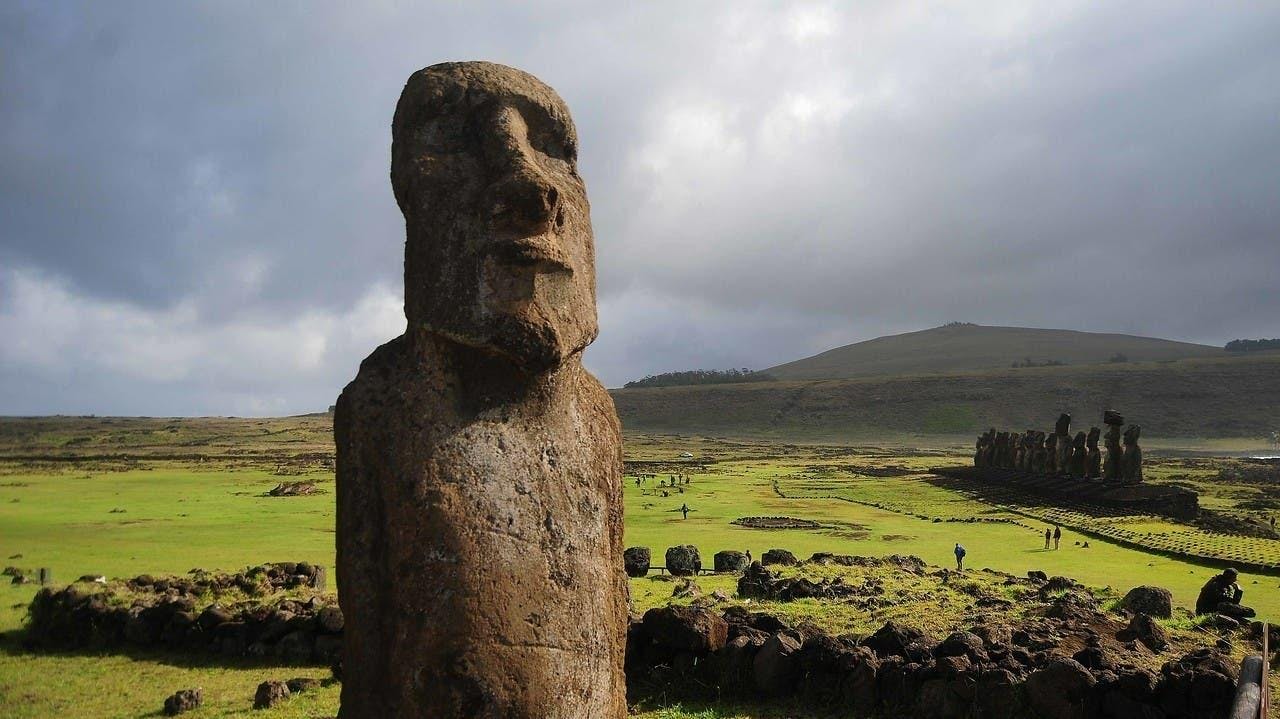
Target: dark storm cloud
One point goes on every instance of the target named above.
(196, 215)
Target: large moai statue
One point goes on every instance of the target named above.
(1093, 457)
(1131, 463)
(1076, 466)
(1062, 445)
(1051, 454)
(1111, 470)
(1039, 454)
(478, 463)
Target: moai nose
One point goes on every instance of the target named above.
(526, 201)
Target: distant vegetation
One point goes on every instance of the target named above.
(1230, 396)
(1028, 362)
(1252, 345)
(964, 347)
(700, 376)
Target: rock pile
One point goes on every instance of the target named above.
(180, 615)
(900, 671)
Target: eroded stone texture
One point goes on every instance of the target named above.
(478, 463)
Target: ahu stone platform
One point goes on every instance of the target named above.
(1138, 498)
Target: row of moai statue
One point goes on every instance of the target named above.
(1058, 453)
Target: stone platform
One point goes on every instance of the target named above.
(1132, 498)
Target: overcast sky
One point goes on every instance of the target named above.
(196, 218)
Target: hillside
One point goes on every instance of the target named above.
(968, 347)
(1209, 398)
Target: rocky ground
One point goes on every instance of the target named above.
(997, 645)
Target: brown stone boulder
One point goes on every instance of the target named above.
(183, 700)
(1156, 601)
(730, 560)
(699, 631)
(778, 556)
(1061, 689)
(683, 560)
(775, 667)
(1145, 629)
(635, 560)
(269, 694)
(479, 468)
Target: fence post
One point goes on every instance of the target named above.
(46, 576)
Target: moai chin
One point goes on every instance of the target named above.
(479, 465)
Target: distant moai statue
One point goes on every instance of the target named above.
(1063, 444)
(1051, 454)
(980, 451)
(479, 465)
(1111, 470)
(1078, 455)
(1131, 466)
(990, 455)
(1039, 454)
(1093, 457)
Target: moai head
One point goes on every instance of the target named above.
(1092, 439)
(1131, 435)
(499, 253)
(1112, 418)
(1051, 441)
(1063, 427)
(1079, 441)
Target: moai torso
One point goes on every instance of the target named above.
(1093, 457)
(478, 464)
(1131, 463)
(1111, 470)
(1077, 465)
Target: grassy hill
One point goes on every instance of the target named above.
(967, 347)
(1236, 397)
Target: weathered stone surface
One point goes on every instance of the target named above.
(1145, 629)
(1060, 690)
(776, 669)
(1156, 601)
(683, 561)
(731, 560)
(183, 700)
(778, 556)
(269, 694)
(699, 631)
(635, 561)
(478, 463)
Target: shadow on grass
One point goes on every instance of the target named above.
(20, 644)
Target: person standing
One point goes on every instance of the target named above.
(1046, 538)
(685, 509)
(959, 557)
(1057, 536)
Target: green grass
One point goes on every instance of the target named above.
(182, 514)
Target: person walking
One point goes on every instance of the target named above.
(1046, 538)
(1057, 536)
(959, 557)
(685, 509)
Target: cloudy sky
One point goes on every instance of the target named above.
(195, 214)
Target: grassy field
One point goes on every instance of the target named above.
(159, 506)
